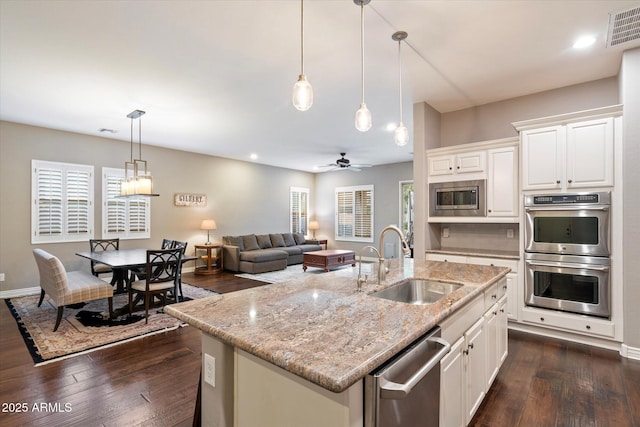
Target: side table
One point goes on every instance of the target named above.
(213, 259)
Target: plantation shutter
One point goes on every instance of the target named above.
(62, 202)
(122, 217)
(362, 218)
(299, 209)
(354, 213)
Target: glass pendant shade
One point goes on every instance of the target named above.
(401, 135)
(302, 94)
(363, 118)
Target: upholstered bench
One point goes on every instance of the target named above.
(66, 288)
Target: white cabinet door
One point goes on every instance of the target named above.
(452, 386)
(503, 333)
(511, 308)
(543, 158)
(502, 183)
(476, 352)
(441, 165)
(491, 332)
(474, 161)
(590, 153)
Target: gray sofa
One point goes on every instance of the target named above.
(264, 252)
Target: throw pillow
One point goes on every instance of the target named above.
(233, 241)
(299, 237)
(264, 241)
(250, 242)
(288, 239)
(277, 240)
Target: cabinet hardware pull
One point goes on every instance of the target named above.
(494, 296)
(558, 182)
(471, 346)
(542, 319)
(588, 327)
(502, 310)
(466, 352)
(570, 181)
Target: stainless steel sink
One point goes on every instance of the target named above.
(417, 291)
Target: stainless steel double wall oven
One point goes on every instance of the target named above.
(567, 241)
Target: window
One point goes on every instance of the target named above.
(354, 213)
(62, 196)
(299, 210)
(123, 217)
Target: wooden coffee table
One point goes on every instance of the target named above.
(328, 259)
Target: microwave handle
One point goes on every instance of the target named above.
(567, 208)
(561, 264)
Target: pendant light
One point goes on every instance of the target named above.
(137, 179)
(363, 115)
(302, 90)
(401, 134)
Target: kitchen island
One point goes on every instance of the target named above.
(304, 346)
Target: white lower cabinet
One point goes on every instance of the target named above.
(479, 336)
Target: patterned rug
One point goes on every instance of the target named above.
(293, 272)
(85, 327)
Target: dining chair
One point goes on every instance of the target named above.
(98, 245)
(66, 288)
(175, 244)
(161, 276)
(139, 272)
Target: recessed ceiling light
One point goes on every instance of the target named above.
(253, 156)
(584, 42)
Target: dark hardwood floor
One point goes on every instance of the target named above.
(153, 381)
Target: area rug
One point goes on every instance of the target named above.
(293, 272)
(85, 327)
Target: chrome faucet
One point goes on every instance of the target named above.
(382, 269)
(360, 281)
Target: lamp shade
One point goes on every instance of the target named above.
(208, 224)
(313, 225)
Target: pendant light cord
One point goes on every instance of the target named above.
(131, 145)
(362, 44)
(302, 37)
(400, 78)
(139, 139)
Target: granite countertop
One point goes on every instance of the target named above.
(321, 329)
(484, 253)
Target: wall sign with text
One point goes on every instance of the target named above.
(183, 199)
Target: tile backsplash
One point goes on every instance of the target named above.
(480, 236)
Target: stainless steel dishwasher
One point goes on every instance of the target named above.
(405, 391)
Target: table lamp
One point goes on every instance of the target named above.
(208, 224)
(313, 225)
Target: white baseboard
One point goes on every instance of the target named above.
(630, 352)
(15, 293)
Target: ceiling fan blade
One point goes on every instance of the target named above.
(361, 166)
(353, 168)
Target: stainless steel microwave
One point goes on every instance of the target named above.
(460, 198)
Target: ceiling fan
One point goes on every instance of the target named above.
(343, 164)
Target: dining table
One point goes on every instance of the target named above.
(121, 261)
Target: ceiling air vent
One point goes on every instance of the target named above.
(624, 26)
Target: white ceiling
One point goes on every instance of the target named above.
(215, 77)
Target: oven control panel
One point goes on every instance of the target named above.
(569, 199)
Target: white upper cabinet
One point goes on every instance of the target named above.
(502, 182)
(458, 164)
(590, 153)
(570, 154)
(495, 161)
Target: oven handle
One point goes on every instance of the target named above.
(395, 391)
(565, 265)
(567, 208)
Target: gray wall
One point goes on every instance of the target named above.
(242, 197)
(630, 97)
(493, 121)
(386, 181)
